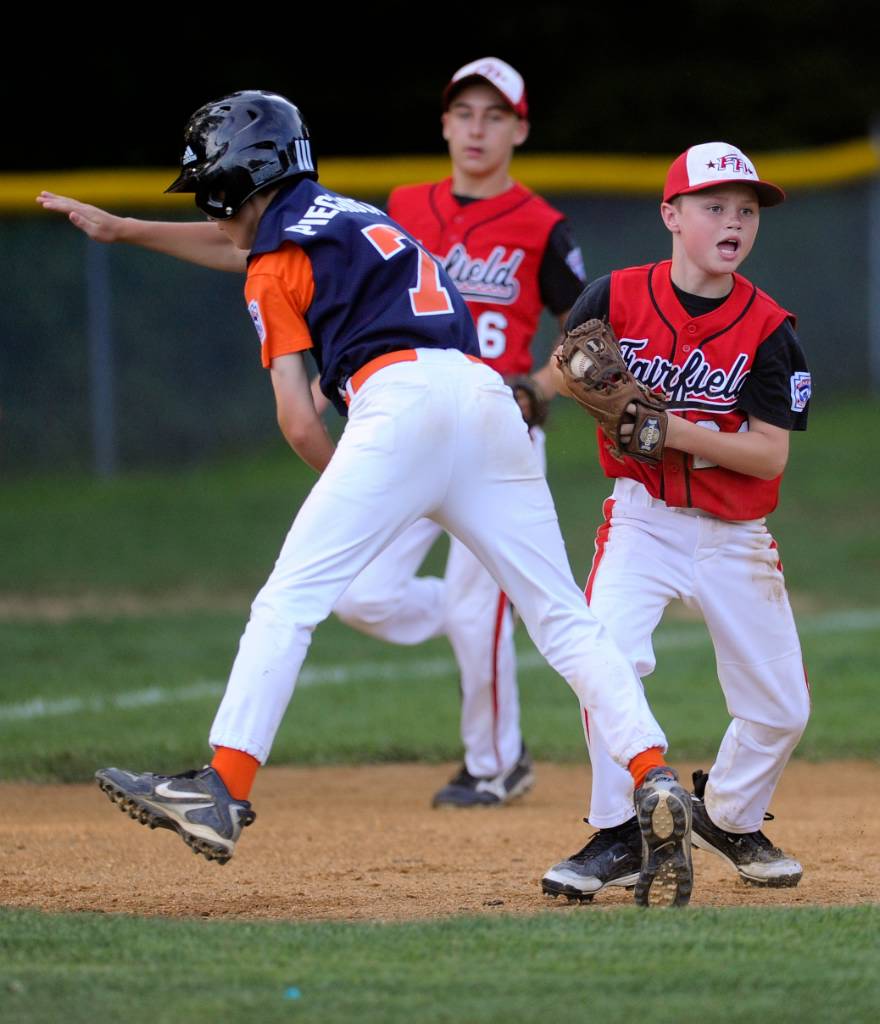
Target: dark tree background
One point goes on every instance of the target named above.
(600, 77)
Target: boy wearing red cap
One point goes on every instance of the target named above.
(726, 359)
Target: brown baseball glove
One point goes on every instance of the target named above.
(532, 403)
(630, 416)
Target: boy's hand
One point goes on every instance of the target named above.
(532, 403)
(95, 222)
(598, 379)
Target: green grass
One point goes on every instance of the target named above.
(105, 686)
(112, 685)
(143, 691)
(220, 526)
(583, 965)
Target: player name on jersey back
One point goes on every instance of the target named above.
(325, 207)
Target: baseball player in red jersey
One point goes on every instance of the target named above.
(510, 254)
(726, 359)
(397, 350)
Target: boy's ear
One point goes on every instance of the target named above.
(670, 214)
(522, 132)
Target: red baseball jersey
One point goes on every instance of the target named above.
(699, 364)
(492, 249)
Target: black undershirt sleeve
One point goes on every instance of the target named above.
(777, 389)
(560, 277)
(593, 303)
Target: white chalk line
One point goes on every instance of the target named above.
(415, 669)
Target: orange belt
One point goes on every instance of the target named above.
(405, 355)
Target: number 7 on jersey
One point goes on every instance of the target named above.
(429, 297)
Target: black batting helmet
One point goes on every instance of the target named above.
(236, 146)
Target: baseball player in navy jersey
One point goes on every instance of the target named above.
(510, 255)
(727, 360)
(398, 354)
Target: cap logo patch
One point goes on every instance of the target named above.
(731, 163)
(188, 157)
(491, 71)
(507, 80)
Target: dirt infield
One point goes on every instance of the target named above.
(363, 844)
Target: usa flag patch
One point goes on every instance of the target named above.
(801, 389)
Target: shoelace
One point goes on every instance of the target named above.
(603, 840)
(754, 839)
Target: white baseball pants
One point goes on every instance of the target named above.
(437, 437)
(388, 601)
(646, 555)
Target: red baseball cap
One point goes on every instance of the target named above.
(717, 163)
(507, 80)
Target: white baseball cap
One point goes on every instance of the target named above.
(507, 80)
(716, 163)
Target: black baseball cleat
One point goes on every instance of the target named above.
(613, 856)
(195, 804)
(466, 790)
(663, 810)
(751, 854)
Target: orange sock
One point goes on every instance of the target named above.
(237, 769)
(642, 763)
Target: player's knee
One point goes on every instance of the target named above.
(365, 611)
(794, 712)
(797, 718)
(784, 725)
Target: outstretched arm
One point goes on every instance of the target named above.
(193, 241)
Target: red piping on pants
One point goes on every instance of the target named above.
(601, 542)
(496, 644)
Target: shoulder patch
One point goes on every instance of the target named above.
(575, 261)
(801, 389)
(256, 316)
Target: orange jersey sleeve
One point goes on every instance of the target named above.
(279, 291)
